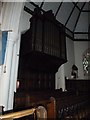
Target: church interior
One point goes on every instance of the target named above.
(44, 60)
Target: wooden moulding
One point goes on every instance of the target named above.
(18, 114)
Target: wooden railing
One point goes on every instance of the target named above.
(32, 114)
(16, 115)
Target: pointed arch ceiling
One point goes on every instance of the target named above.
(73, 15)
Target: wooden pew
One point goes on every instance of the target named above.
(74, 106)
(62, 104)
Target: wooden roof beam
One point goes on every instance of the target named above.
(42, 4)
(76, 6)
(37, 6)
(70, 14)
(28, 10)
(58, 9)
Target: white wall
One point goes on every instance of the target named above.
(0, 50)
(0, 16)
(65, 69)
(74, 56)
(24, 21)
(70, 57)
(79, 48)
(0, 41)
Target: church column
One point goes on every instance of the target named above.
(11, 17)
(14, 68)
(6, 81)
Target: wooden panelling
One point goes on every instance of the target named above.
(59, 104)
(79, 85)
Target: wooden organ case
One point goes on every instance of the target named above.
(42, 51)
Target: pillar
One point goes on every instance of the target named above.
(11, 13)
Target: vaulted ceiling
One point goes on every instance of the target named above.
(73, 15)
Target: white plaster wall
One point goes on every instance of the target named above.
(0, 13)
(65, 69)
(70, 57)
(0, 50)
(0, 41)
(0, 34)
(0, 6)
(24, 21)
(79, 48)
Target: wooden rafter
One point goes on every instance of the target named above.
(70, 14)
(82, 40)
(58, 9)
(36, 6)
(85, 10)
(28, 10)
(81, 32)
(42, 4)
(76, 6)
